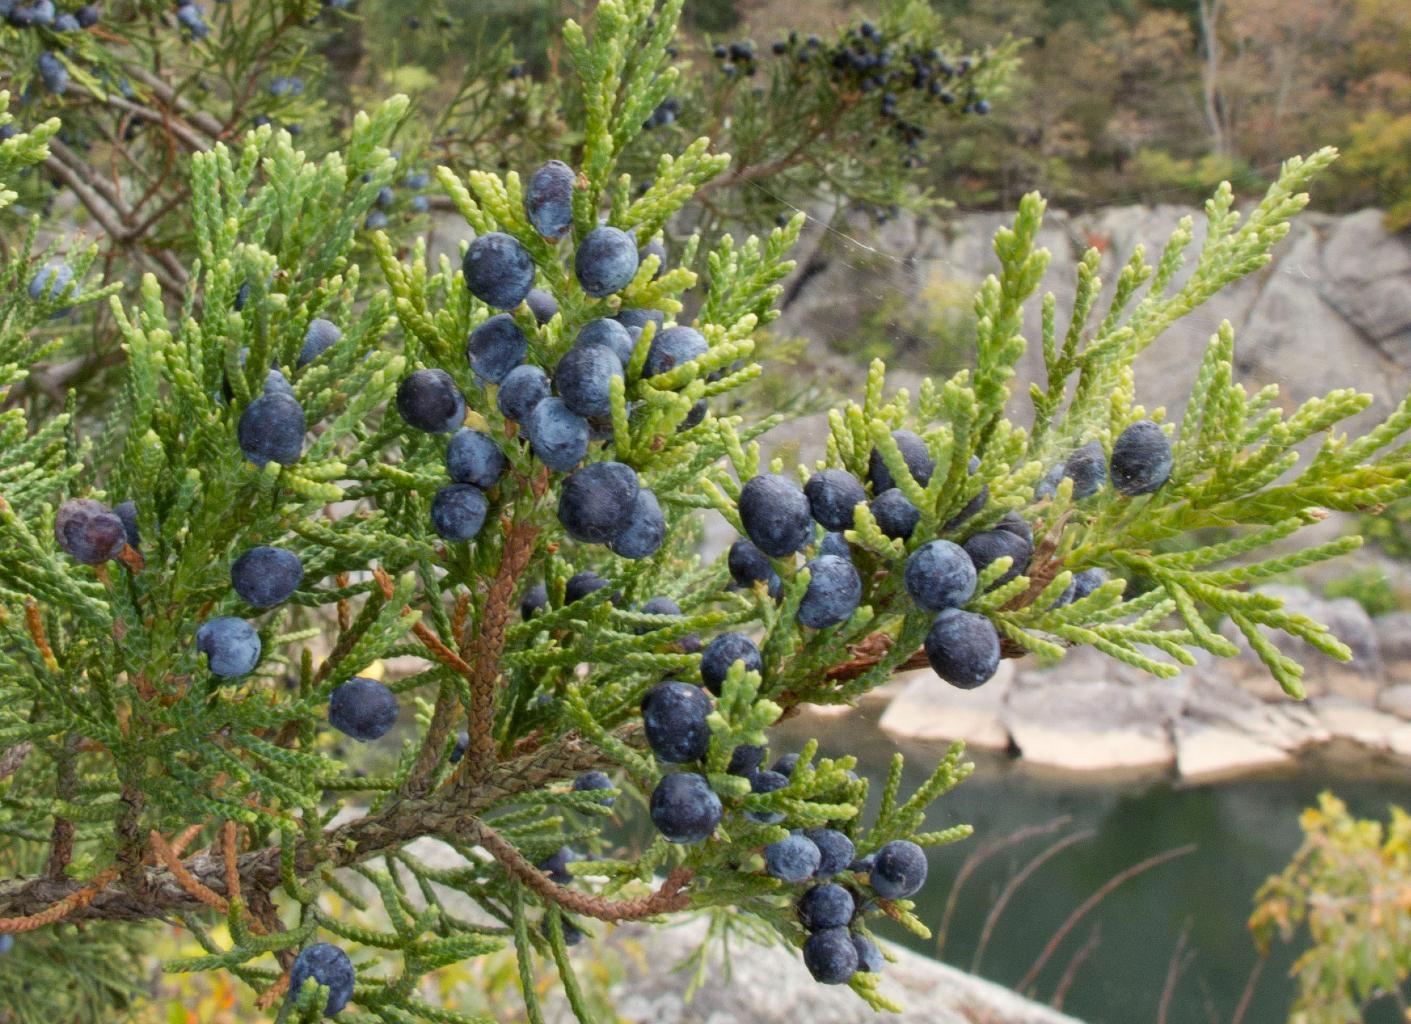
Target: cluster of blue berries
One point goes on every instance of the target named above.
(42, 14)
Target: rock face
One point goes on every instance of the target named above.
(769, 985)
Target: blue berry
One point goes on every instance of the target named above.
(963, 648)
(830, 956)
(29, 15)
(634, 320)
(684, 808)
(376, 221)
(419, 204)
(672, 347)
(605, 261)
(940, 575)
(660, 606)
(657, 249)
(973, 505)
(1085, 582)
(548, 199)
(596, 501)
(496, 347)
(231, 646)
(66, 23)
(51, 281)
(826, 906)
(194, 21)
(833, 593)
(899, 870)
(895, 514)
(416, 180)
(473, 457)
(386, 197)
(266, 576)
(836, 848)
(1015, 524)
(792, 859)
(645, 529)
(458, 511)
(271, 429)
(591, 782)
(286, 85)
(462, 745)
(523, 388)
(542, 304)
(535, 600)
(89, 531)
(674, 720)
(87, 16)
(498, 270)
(1141, 459)
(869, 957)
(767, 782)
(362, 709)
(555, 865)
(695, 416)
(558, 435)
(318, 339)
(126, 511)
(584, 376)
(913, 452)
(330, 967)
(786, 764)
(581, 584)
(989, 545)
(429, 400)
(609, 334)
(749, 565)
(722, 652)
(746, 759)
(832, 494)
(1088, 469)
(835, 544)
(774, 513)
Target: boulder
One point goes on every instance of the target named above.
(1092, 725)
(928, 708)
(1283, 724)
(1206, 753)
(1364, 275)
(1349, 720)
(1396, 700)
(770, 985)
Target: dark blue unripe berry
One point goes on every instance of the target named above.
(523, 388)
(555, 865)
(89, 531)
(605, 261)
(674, 720)
(266, 576)
(660, 606)
(940, 575)
(774, 513)
(963, 648)
(869, 957)
(54, 74)
(318, 339)
(50, 282)
(972, 506)
(1015, 524)
(66, 23)
(458, 512)
(584, 376)
(362, 709)
(830, 956)
(835, 544)
(634, 320)
(473, 457)
(87, 15)
(535, 600)
(746, 759)
(542, 304)
(462, 745)
(496, 347)
(609, 334)
(826, 906)
(558, 435)
(645, 529)
(194, 21)
(786, 764)
(596, 501)
(832, 495)
(896, 516)
(548, 199)
(1085, 582)
(722, 652)
(231, 646)
(913, 452)
(1088, 469)
(1141, 459)
(271, 429)
(684, 808)
(581, 584)
(833, 593)
(429, 400)
(749, 565)
(286, 85)
(837, 851)
(498, 270)
(695, 416)
(672, 347)
(899, 871)
(792, 859)
(767, 782)
(591, 782)
(989, 545)
(126, 511)
(330, 967)
(386, 197)
(376, 221)
(41, 12)
(657, 249)
(419, 204)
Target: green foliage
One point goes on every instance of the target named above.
(1347, 886)
(124, 743)
(1369, 587)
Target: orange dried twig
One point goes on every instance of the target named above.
(62, 909)
(35, 622)
(184, 877)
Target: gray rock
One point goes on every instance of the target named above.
(1092, 725)
(929, 708)
(1396, 700)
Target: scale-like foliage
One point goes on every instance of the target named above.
(124, 752)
